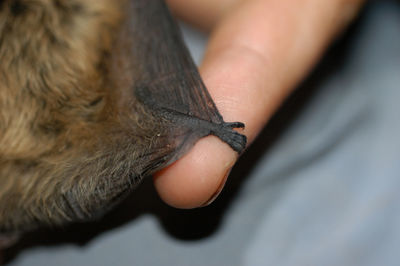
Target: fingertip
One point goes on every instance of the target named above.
(197, 178)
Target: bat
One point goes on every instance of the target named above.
(94, 96)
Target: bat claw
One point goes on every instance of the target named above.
(234, 139)
(235, 125)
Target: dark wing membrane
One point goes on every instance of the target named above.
(166, 76)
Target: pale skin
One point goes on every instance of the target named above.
(258, 51)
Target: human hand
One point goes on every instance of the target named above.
(259, 50)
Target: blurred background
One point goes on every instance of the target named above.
(320, 186)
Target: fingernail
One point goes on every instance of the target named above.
(218, 191)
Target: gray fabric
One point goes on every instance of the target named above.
(319, 187)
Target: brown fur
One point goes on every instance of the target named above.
(65, 143)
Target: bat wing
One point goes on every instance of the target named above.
(169, 77)
(164, 78)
